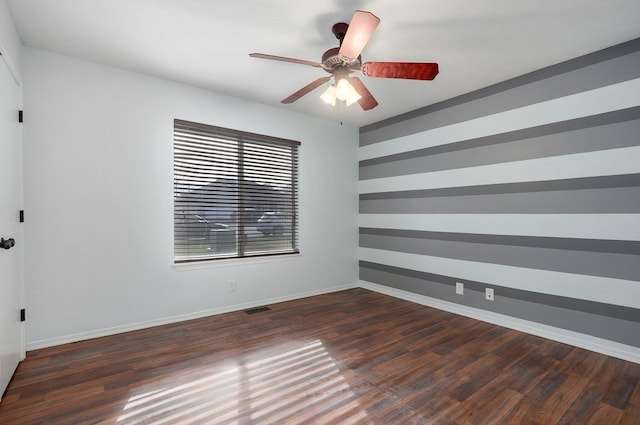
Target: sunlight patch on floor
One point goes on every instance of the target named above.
(298, 382)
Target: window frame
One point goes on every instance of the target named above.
(240, 138)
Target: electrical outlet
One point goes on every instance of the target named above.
(232, 286)
(489, 294)
(459, 288)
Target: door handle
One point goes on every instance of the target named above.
(7, 243)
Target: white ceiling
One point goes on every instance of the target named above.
(206, 43)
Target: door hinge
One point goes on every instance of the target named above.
(20, 115)
(21, 216)
(23, 315)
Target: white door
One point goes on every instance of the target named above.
(11, 334)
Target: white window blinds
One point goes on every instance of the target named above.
(235, 193)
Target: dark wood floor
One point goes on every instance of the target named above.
(352, 357)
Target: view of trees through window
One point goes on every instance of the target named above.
(235, 193)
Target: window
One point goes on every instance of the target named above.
(235, 194)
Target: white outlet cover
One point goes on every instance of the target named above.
(489, 294)
(459, 288)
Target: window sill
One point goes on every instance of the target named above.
(235, 262)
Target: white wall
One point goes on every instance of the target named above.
(98, 200)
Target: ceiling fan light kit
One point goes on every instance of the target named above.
(329, 96)
(346, 92)
(341, 61)
(342, 90)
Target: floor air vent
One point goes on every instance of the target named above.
(257, 310)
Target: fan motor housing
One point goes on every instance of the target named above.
(331, 59)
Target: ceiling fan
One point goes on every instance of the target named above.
(341, 61)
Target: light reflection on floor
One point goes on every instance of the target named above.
(288, 383)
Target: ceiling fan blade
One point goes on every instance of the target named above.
(285, 59)
(367, 101)
(362, 26)
(404, 70)
(306, 89)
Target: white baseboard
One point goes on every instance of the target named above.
(588, 342)
(35, 345)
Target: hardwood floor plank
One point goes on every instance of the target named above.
(605, 415)
(631, 414)
(582, 407)
(621, 384)
(351, 357)
(557, 404)
(548, 386)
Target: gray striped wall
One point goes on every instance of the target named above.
(531, 187)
